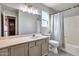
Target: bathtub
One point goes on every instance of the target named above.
(72, 49)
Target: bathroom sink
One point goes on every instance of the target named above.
(35, 36)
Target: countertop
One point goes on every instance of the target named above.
(13, 40)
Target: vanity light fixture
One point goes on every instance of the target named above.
(29, 9)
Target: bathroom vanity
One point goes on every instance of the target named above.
(24, 46)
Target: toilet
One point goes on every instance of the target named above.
(53, 46)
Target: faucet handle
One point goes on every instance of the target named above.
(33, 35)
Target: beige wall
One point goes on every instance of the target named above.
(71, 30)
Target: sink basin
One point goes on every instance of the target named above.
(34, 37)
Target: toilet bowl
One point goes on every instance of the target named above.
(53, 45)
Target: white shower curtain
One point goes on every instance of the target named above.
(57, 28)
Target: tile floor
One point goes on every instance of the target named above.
(60, 53)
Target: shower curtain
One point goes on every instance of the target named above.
(57, 28)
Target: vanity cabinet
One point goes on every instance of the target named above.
(36, 47)
(26, 50)
(34, 50)
(4, 52)
(45, 48)
(19, 50)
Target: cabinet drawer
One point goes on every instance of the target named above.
(31, 44)
(35, 51)
(40, 42)
(4, 52)
(18, 50)
(47, 40)
(26, 44)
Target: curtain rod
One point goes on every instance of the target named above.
(67, 9)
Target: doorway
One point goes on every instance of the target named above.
(11, 25)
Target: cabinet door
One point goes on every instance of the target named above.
(35, 50)
(26, 49)
(45, 48)
(4, 52)
(18, 50)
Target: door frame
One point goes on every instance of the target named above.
(7, 19)
(10, 17)
(2, 24)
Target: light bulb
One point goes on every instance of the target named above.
(36, 11)
(31, 10)
(28, 9)
(24, 8)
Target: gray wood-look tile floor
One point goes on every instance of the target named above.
(60, 53)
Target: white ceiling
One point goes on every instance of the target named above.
(71, 12)
(38, 6)
(60, 6)
(55, 6)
